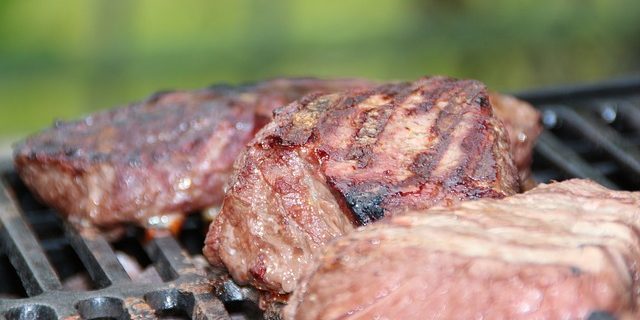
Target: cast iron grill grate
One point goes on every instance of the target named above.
(591, 132)
(44, 260)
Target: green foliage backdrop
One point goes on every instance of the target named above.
(61, 59)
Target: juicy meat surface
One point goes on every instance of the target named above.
(329, 163)
(567, 250)
(171, 153)
(523, 126)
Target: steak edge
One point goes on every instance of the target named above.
(567, 250)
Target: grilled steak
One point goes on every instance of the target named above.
(171, 153)
(568, 250)
(523, 125)
(329, 163)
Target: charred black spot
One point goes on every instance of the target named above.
(366, 206)
(601, 315)
(483, 101)
(454, 179)
(424, 163)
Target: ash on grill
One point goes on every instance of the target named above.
(48, 270)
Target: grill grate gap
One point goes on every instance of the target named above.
(568, 163)
(573, 138)
(133, 257)
(608, 152)
(10, 286)
(193, 233)
(544, 170)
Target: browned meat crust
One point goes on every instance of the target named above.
(328, 163)
(171, 153)
(566, 250)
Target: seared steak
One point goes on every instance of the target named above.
(329, 163)
(568, 250)
(171, 153)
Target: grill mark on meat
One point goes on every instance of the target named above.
(448, 154)
(449, 127)
(451, 165)
(426, 162)
(365, 200)
(299, 121)
(486, 166)
(371, 121)
(474, 146)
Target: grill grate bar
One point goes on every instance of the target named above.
(630, 112)
(621, 149)
(170, 260)
(22, 248)
(615, 88)
(97, 256)
(568, 161)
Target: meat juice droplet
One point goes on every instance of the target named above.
(522, 137)
(184, 184)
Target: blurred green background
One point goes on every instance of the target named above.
(62, 59)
